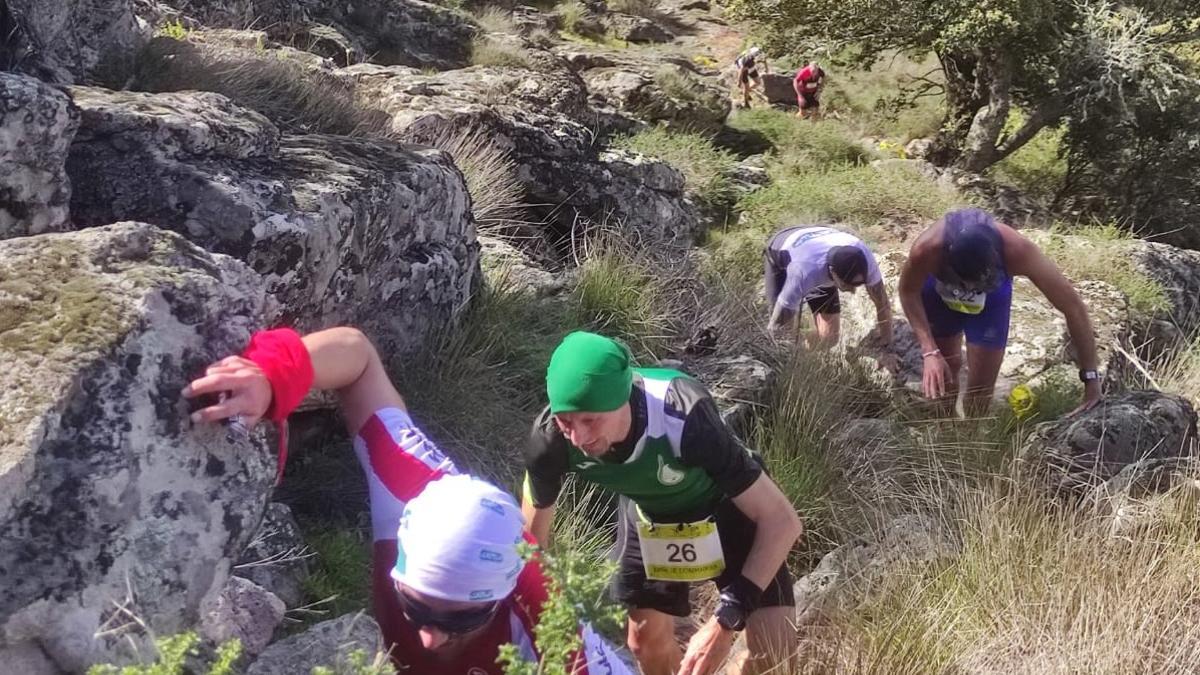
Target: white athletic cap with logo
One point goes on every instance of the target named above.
(458, 540)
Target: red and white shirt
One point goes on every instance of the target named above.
(399, 462)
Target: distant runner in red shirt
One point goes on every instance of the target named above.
(809, 82)
(449, 587)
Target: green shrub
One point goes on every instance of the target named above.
(488, 52)
(705, 168)
(174, 30)
(172, 655)
(577, 594)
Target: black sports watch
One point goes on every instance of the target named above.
(1086, 376)
(730, 614)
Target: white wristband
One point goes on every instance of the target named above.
(929, 354)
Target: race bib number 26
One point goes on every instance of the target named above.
(685, 552)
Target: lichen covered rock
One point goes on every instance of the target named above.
(67, 41)
(1087, 449)
(37, 123)
(112, 504)
(370, 233)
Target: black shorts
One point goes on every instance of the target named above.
(809, 100)
(631, 588)
(775, 263)
(747, 75)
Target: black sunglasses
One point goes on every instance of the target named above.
(451, 623)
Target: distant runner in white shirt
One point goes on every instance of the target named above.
(812, 264)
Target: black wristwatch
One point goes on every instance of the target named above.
(1086, 376)
(730, 615)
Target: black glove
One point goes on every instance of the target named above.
(738, 601)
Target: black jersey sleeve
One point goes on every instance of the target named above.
(707, 442)
(545, 460)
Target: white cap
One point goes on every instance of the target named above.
(755, 51)
(458, 540)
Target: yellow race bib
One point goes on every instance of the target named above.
(681, 552)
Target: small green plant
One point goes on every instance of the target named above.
(174, 30)
(172, 654)
(577, 595)
(488, 52)
(706, 169)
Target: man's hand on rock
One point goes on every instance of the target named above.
(1091, 396)
(707, 649)
(247, 388)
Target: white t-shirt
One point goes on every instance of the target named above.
(808, 269)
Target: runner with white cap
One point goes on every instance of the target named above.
(449, 586)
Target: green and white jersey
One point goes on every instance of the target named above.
(678, 461)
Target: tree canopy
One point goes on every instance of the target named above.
(1069, 62)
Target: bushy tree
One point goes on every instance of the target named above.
(1054, 60)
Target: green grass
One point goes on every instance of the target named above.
(802, 141)
(495, 19)
(488, 52)
(705, 168)
(862, 97)
(879, 203)
(620, 293)
(340, 578)
(1101, 252)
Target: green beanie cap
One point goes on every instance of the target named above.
(589, 373)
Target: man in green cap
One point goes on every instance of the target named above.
(695, 505)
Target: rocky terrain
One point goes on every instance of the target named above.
(179, 173)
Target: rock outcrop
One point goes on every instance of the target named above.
(37, 123)
(392, 32)
(559, 165)
(328, 643)
(1085, 450)
(67, 41)
(244, 611)
(370, 233)
(115, 510)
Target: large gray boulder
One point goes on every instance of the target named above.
(1177, 271)
(277, 557)
(37, 123)
(390, 32)
(370, 233)
(1081, 452)
(847, 576)
(558, 162)
(328, 643)
(68, 41)
(116, 511)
